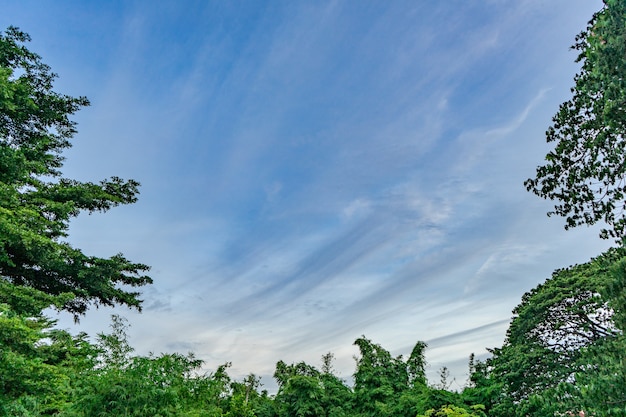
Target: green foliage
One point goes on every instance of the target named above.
(388, 386)
(586, 171)
(245, 398)
(305, 391)
(37, 203)
(416, 365)
(284, 372)
(114, 347)
(27, 382)
(454, 411)
(45, 371)
(302, 397)
(564, 348)
(379, 379)
(603, 382)
(482, 388)
(137, 386)
(37, 362)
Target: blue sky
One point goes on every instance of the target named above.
(316, 171)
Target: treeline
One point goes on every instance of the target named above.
(564, 352)
(46, 371)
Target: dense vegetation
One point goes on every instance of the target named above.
(585, 171)
(564, 350)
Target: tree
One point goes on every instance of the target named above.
(38, 363)
(416, 364)
(564, 344)
(37, 202)
(604, 383)
(301, 396)
(481, 387)
(586, 171)
(305, 391)
(166, 385)
(245, 397)
(379, 380)
(284, 372)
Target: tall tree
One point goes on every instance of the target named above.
(416, 365)
(379, 380)
(563, 344)
(586, 171)
(605, 381)
(37, 202)
(304, 391)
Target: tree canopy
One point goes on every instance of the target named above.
(585, 173)
(564, 347)
(37, 202)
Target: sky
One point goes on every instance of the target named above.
(315, 171)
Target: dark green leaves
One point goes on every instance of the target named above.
(586, 171)
(564, 348)
(37, 203)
